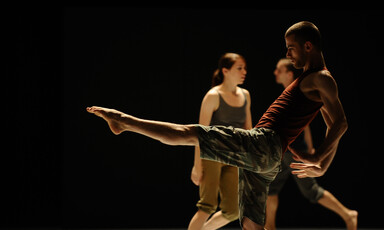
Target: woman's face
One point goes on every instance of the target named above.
(236, 74)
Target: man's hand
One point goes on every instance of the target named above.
(306, 170)
(311, 166)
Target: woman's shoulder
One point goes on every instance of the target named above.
(212, 95)
(213, 92)
(211, 99)
(246, 92)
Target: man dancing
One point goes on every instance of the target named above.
(258, 152)
(285, 74)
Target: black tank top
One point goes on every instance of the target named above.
(229, 115)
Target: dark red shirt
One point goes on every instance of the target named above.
(291, 112)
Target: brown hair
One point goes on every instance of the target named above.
(305, 31)
(226, 61)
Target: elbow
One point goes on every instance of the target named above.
(322, 172)
(323, 168)
(341, 125)
(344, 125)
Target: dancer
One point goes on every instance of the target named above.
(229, 105)
(285, 74)
(258, 152)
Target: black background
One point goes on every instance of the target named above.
(63, 167)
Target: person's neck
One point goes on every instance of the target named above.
(286, 84)
(315, 62)
(228, 87)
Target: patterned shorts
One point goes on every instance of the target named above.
(307, 186)
(256, 152)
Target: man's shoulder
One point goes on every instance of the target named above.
(324, 77)
(324, 73)
(321, 80)
(319, 77)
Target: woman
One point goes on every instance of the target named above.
(229, 105)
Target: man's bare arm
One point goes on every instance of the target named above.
(334, 117)
(335, 120)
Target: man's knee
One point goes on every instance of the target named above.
(313, 194)
(190, 134)
(180, 135)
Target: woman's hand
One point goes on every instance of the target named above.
(196, 175)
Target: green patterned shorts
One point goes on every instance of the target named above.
(256, 152)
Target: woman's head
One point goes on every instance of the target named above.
(231, 67)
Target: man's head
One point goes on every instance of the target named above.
(285, 72)
(302, 39)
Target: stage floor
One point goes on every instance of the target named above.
(227, 229)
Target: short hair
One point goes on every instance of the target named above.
(305, 31)
(290, 67)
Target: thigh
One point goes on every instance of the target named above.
(257, 150)
(209, 186)
(253, 192)
(285, 172)
(229, 189)
(210, 182)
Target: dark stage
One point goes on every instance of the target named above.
(63, 168)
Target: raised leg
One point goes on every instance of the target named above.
(167, 133)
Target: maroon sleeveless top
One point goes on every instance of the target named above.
(291, 112)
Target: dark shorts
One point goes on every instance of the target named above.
(308, 186)
(256, 152)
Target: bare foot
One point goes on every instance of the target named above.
(351, 222)
(111, 116)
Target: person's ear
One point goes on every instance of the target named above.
(290, 74)
(224, 70)
(308, 46)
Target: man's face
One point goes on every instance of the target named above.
(295, 52)
(281, 73)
